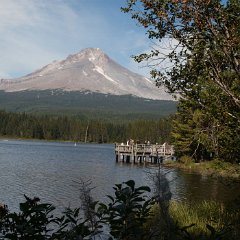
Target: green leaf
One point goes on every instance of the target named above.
(119, 186)
(131, 183)
(144, 188)
(211, 229)
(111, 198)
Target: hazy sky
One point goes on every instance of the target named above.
(33, 33)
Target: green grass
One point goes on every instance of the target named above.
(206, 220)
(203, 213)
(214, 167)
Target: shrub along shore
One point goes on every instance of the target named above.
(216, 168)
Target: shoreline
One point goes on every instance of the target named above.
(214, 168)
(5, 138)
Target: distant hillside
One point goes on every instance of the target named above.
(85, 104)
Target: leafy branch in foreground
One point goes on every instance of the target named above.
(128, 211)
(130, 215)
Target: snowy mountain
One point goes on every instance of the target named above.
(89, 70)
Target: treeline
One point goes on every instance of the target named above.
(22, 125)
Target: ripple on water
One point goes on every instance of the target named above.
(51, 170)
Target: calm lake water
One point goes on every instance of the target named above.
(52, 170)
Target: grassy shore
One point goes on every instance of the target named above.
(202, 220)
(215, 167)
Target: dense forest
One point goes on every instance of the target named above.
(22, 125)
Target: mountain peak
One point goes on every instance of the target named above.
(88, 70)
(94, 55)
(94, 51)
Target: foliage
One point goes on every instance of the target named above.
(204, 70)
(129, 211)
(192, 132)
(204, 135)
(130, 214)
(125, 214)
(33, 222)
(207, 48)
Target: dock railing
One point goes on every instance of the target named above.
(143, 151)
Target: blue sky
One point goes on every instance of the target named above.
(34, 33)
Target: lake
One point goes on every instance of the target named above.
(52, 171)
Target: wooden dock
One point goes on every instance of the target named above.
(143, 153)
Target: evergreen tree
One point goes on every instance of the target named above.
(204, 71)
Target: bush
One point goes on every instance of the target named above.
(126, 214)
(131, 215)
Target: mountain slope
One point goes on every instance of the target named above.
(86, 105)
(89, 70)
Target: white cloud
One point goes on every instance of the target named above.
(33, 13)
(14, 13)
(28, 30)
(35, 32)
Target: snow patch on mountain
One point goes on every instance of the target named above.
(101, 71)
(84, 73)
